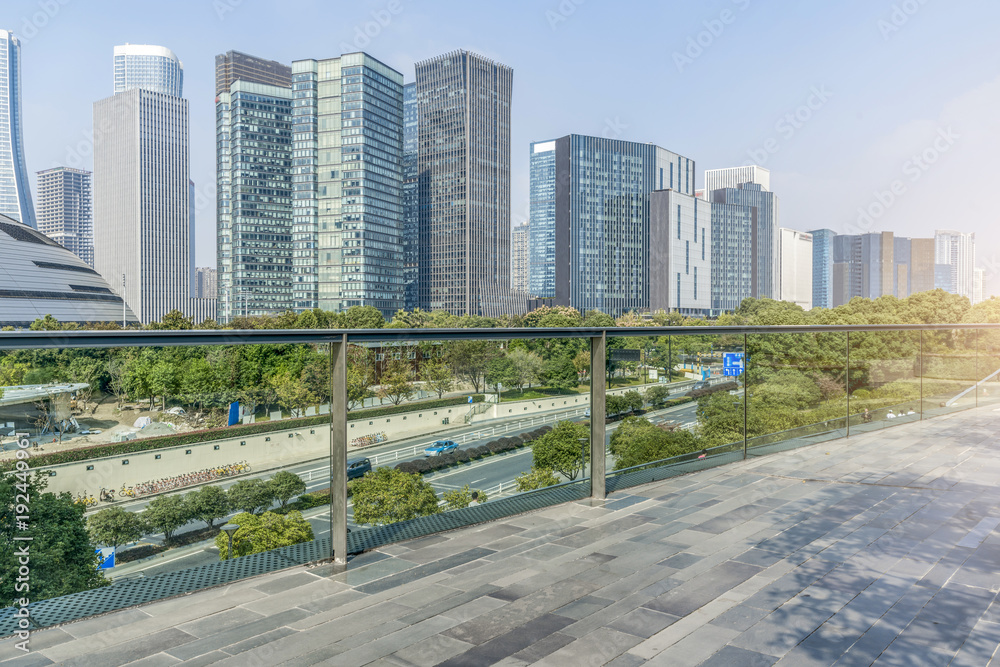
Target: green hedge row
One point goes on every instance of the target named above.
(242, 430)
(432, 463)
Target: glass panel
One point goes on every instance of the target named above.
(884, 379)
(797, 390)
(950, 371)
(691, 420)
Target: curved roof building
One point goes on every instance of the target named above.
(39, 277)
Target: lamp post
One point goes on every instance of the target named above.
(229, 529)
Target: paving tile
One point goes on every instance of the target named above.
(428, 652)
(598, 648)
(729, 656)
(136, 649)
(691, 595)
(510, 643)
(642, 622)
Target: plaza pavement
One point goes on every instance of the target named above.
(882, 549)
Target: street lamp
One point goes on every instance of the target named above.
(229, 529)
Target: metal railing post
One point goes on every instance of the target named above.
(338, 451)
(746, 394)
(598, 432)
(921, 366)
(847, 385)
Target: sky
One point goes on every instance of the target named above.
(872, 115)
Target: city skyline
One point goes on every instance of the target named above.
(848, 141)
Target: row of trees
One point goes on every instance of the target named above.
(116, 526)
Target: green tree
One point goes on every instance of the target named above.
(397, 379)
(387, 495)
(560, 449)
(292, 393)
(527, 367)
(501, 371)
(263, 533)
(437, 375)
(208, 504)
(657, 396)
(166, 514)
(62, 555)
(285, 485)
(560, 373)
(633, 399)
(360, 375)
(115, 527)
(537, 478)
(86, 370)
(458, 498)
(252, 496)
(173, 320)
(637, 441)
(469, 360)
(362, 317)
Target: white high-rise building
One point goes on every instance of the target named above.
(795, 267)
(519, 258)
(148, 67)
(65, 213)
(142, 191)
(731, 177)
(15, 192)
(958, 251)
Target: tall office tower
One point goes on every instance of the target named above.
(411, 199)
(15, 192)
(958, 251)
(206, 282)
(142, 185)
(234, 66)
(764, 235)
(64, 210)
(822, 296)
(795, 267)
(464, 169)
(921, 265)
(254, 200)
(348, 181)
(148, 67)
(733, 228)
(679, 264)
(979, 277)
(733, 177)
(542, 217)
(864, 265)
(592, 199)
(519, 258)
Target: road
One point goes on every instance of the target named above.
(485, 474)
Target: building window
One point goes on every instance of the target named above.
(687, 257)
(678, 222)
(678, 291)
(696, 283)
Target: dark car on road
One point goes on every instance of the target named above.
(358, 467)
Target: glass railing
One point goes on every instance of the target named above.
(182, 460)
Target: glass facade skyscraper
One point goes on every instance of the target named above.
(148, 67)
(823, 267)
(464, 101)
(411, 198)
(348, 178)
(591, 199)
(15, 191)
(254, 200)
(542, 226)
(732, 255)
(236, 66)
(957, 250)
(764, 235)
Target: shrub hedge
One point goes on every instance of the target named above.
(208, 435)
(430, 464)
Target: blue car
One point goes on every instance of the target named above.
(441, 447)
(358, 468)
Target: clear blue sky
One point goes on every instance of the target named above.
(894, 75)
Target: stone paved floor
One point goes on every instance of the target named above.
(882, 549)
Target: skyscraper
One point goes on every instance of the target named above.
(822, 268)
(764, 235)
(411, 198)
(957, 250)
(591, 197)
(148, 67)
(348, 180)
(731, 177)
(254, 200)
(65, 214)
(519, 262)
(206, 284)
(142, 184)
(881, 264)
(733, 228)
(15, 192)
(234, 66)
(463, 101)
(795, 267)
(542, 227)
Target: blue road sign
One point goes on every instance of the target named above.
(733, 360)
(107, 555)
